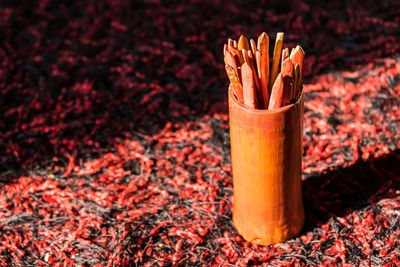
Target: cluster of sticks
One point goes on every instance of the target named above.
(248, 69)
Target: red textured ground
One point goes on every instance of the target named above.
(114, 145)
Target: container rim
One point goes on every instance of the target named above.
(264, 111)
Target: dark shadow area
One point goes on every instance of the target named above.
(75, 76)
(338, 192)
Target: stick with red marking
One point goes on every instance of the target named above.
(249, 59)
(249, 87)
(235, 83)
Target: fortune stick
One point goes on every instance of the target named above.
(255, 79)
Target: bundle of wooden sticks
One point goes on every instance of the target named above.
(257, 84)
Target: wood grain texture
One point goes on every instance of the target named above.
(276, 58)
(263, 47)
(276, 93)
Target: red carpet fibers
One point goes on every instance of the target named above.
(114, 139)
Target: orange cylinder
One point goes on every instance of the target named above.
(266, 149)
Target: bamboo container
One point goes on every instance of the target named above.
(266, 149)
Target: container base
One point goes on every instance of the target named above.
(279, 235)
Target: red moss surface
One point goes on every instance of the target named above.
(114, 144)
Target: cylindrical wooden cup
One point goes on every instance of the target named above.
(266, 149)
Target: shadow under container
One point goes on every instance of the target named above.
(266, 149)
